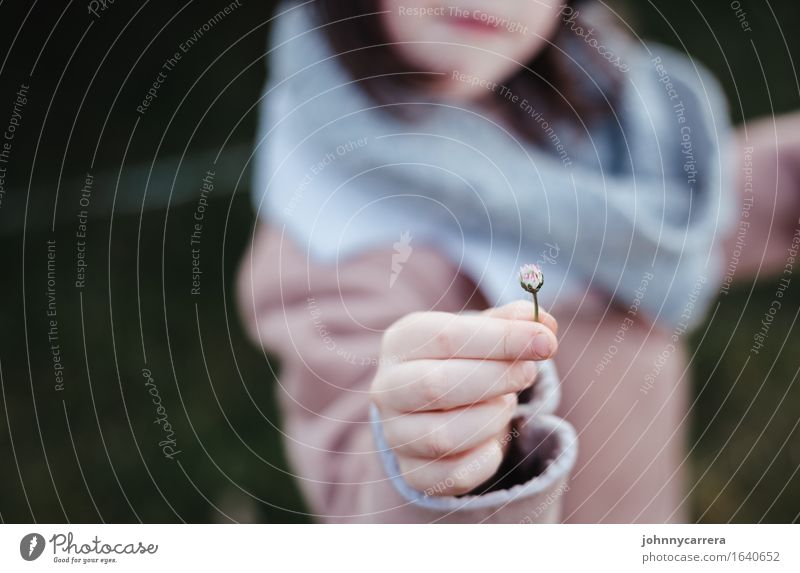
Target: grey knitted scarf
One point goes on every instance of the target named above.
(634, 207)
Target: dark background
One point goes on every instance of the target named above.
(90, 452)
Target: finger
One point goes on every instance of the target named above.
(435, 435)
(424, 385)
(522, 310)
(455, 475)
(445, 335)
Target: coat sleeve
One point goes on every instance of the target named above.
(324, 323)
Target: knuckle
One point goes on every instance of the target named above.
(522, 374)
(439, 443)
(509, 333)
(506, 407)
(443, 343)
(434, 386)
(393, 437)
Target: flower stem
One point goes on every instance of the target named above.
(535, 308)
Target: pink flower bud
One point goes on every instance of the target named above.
(531, 278)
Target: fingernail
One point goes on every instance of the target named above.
(542, 345)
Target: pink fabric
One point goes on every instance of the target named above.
(325, 323)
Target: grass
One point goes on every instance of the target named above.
(90, 452)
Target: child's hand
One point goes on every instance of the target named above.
(446, 389)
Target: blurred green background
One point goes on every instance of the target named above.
(90, 452)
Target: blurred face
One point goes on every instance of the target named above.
(476, 44)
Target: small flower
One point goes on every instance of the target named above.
(531, 278)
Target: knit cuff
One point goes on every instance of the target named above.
(542, 452)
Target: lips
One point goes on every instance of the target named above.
(473, 24)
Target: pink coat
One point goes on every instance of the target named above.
(324, 324)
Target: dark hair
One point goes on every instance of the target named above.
(356, 34)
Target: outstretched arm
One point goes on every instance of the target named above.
(325, 323)
(768, 185)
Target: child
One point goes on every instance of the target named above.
(412, 156)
